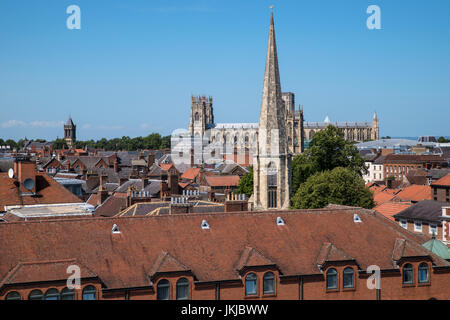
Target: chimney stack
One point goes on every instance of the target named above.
(116, 166)
(144, 183)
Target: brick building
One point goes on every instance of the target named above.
(399, 165)
(441, 189)
(304, 254)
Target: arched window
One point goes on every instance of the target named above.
(52, 294)
(272, 185)
(13, 295)
(332, 281)
(163, 290)
(250, 284)
(269, 283)
(197, 117)
(349, 278)
(89, 293)
(235, 139)
(183, 289)
(423, 273)
(36, 295)
(246, 139)
(67, 294)
(408, 274)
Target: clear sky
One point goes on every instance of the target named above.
(134, 64)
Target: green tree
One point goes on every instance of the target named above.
(327, 150)
(443, 140)
(245, 185)
(341, 186)
(165, 142)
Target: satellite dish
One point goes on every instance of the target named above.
(28, 184)
(11, 173)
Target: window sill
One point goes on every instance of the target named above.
(349, 289)
(332, 290)
(408, 285)
(425, 284)
(269, 295)
(253, 296)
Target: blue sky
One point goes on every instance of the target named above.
(132, 67)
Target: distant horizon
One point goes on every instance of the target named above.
(132, 67)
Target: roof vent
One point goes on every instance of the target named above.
(356, 218)
(115, 229)
(280, 221)
(205, 225)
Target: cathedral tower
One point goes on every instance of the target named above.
(202, 115)
(70, 131)
(272, 162)
(375, 127)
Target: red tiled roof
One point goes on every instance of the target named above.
(388, 209)
(444, 181)
(222, 181)
(415, 193)
(126, 259)
(49, 192)
(112, 206)
(382, 197)
(329, 253)
(190, 173)
(43, 271)
(166, 166)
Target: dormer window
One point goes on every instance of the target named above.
(250, 285)
(332, 281)
(183, 289)
(349, 278)
(269, 283)
(408, 274)
(423, 273)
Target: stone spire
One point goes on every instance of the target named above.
(375, 118)
(272, 105)
(272, 162)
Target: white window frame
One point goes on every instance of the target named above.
(416, 229)
(430, 228)
(401, 222)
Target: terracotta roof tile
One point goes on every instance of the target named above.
(444, 181)
(190, 174)
(415, 193)
(388, 209)
(49, 192)
(125, 259)
(223, 181)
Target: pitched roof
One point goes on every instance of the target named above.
(165, 263)
(52, 270)
(405, 248)
(252, 258)
(124, 260)
(438, 248)
(444, 181)
(190, 173)
(388, 209)
(382, 197)
(48, 189)
(222, 181)
(415, 193)
(329, 253)
(111, 206)
(425, 210)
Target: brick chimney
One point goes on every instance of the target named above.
(68, 165)
(102, 193)
(150, 159)
(235, 203)
(25, 170)
(180, 205)
(144, 183)
(116, 166)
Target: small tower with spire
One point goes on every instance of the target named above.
(70, 132)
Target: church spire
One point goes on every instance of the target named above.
(272, 110)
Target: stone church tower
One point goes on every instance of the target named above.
(202, 116)
(272, 162)
(70, 131)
